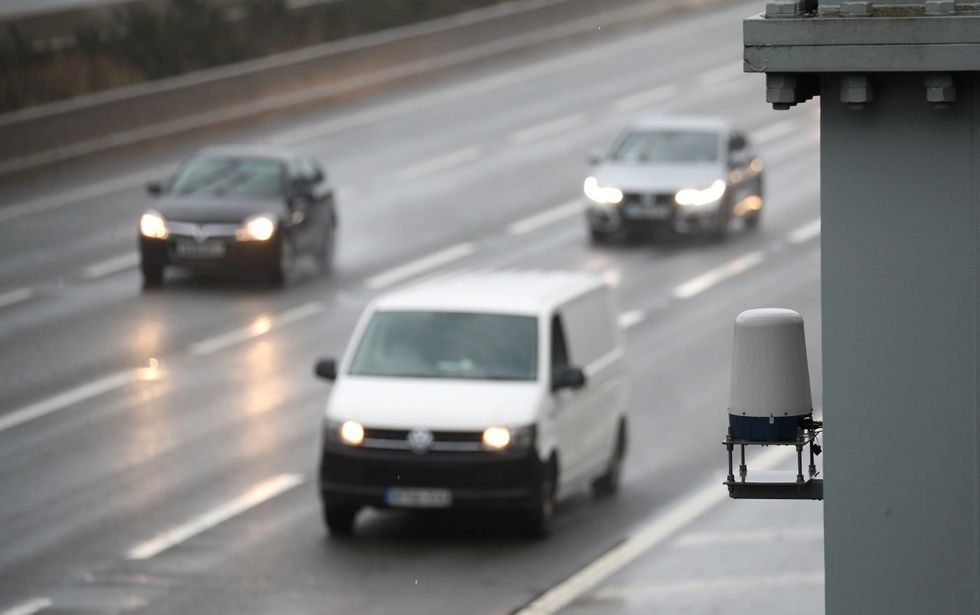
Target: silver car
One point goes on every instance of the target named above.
(687, 175)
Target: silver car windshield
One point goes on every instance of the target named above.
(219, 177)
(448, 345)
(659, 146)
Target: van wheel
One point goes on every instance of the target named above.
(608, 484)
(339, 519)
(541, 516)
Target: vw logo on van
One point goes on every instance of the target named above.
(419, 440)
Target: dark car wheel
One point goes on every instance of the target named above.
(325, 251)
(283, 264)
(339, 519)
(152, 275)
(608, 484)
(541, 515)
(599, 237)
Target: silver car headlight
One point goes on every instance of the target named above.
(153, 225)
(692, 197)
(257, 228)
(603, 195)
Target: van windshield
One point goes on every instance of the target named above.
(466, 346)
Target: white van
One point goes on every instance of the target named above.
(484, 389)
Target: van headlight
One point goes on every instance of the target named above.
(153, 225)
(498, 438)
(346, 432)
(257, 228)
(603, 195)
(692, 197)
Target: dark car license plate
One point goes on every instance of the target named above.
(407, 497)
(206, 249)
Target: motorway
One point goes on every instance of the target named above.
(157, 449)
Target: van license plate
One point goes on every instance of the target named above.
(408, 497)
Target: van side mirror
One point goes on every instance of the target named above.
(326, 369)
(154, 188)
(568, 378)
(594, 158)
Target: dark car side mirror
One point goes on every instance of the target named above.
(568, 378)
(154, 188)
(594, 158)
(326, 369)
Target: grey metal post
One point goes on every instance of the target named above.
(900, 160)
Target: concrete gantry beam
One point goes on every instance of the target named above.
(900, 286)
(864, 37)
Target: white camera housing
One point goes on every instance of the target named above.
(770, 388)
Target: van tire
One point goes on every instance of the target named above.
(339, 519)
(541, 516)
(607, 485)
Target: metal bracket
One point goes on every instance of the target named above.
(778, 485)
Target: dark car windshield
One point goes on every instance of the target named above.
(663, 145)
(448, 345)
(230, 177)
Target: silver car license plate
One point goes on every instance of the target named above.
(206, 249)
(410, 497)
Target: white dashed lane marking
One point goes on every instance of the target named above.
(14, 297)
(29, 607)
(67, 399)
(258, 494)
(805, 233)
(646, 98)
(440, 163)
(548, 129)
(111, 266)
(546, 217)
(712, 278)
(420, 266)
(258, 328)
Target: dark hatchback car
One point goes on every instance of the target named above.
(239, 208)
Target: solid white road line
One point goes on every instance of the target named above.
(784, 581)
(649, 536)
(774, 131)
(419, 266)
(258, 328)
(440, 163)
(16, 296)
(111, 266)
(28, 608)
(720, 74)
(648, 97)
(548, 129)
(717, 275)
(258, 494)
(91, 191)
(806, 232)
(546, 217)
(66, 399)
(628, 320)
(749, 536)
